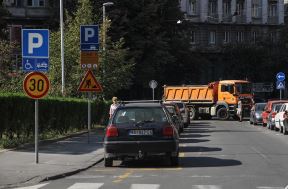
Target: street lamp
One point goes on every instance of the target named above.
(62, 46)
(104, 23)
(104, 37)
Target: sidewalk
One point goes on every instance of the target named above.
(56, 160)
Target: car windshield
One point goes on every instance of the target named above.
(171, 110)
(260, 107)
(243, 88)
(276, 107)
(140, 115)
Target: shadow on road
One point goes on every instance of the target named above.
(207, 162)
(192, 140)
(198, 149)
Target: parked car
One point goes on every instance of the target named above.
(184, 112)
(141, 130)
(271, 116)
(256, 113)
(268, 109)
(279, 118)
(174, 111)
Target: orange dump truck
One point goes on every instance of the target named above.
(218, 98)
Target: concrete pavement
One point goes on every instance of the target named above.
(56, 159)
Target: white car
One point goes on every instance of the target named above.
(279, 117)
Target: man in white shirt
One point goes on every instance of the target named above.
(113, 106)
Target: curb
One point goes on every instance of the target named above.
(62, 175)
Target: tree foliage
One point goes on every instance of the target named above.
(117, 62)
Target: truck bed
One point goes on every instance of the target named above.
(189, 93)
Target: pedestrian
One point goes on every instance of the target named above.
(113, 106)
(239, 110)
(285, 121)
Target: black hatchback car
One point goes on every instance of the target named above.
(139, 130)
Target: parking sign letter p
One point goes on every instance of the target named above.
(89, 32)
(34, 44)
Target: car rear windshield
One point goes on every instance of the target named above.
(140, 114)
(260, 107)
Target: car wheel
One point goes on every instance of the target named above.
(222, 114)
(108, 162)
(284, 131)
(174, 160)
(193, 114)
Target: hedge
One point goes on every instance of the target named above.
(56, 115)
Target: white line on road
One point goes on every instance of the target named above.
(34, 187)
(206, 187)
(269, 187)
(258, 152)
(86, 185)
(145, 186)
(85, 176)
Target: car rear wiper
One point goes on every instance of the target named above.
(143, 122)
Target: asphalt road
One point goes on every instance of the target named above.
(214, 155)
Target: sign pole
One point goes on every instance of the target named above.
(36, 132)
(280, 94)
(89, 116)
(153, 93)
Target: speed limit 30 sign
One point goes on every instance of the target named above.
(36, 85)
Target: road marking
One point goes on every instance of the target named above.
(268, 187)
(206, 187)
(201, 176)
(145, 186)
(258, 152)
(85, 176)
(124, 176)
(34, 187)
(86, 185)
(158, 169)
(181, 154)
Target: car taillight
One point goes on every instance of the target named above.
(168, 131)
(111, 131)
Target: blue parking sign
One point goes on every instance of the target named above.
(35, 43)
(35, 50)
(89, 37)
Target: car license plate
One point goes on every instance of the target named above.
(141, 132)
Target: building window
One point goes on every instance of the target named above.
(226, 8)
(273, 37)
(272, 10)
(226, 37)
(36, 3)
(239, 36)
(255, 10)
(240, 7)
(212, 8)
(212, 37)
(192, 7)
(254, 37)
(193, 37)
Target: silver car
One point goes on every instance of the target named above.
(256, 113)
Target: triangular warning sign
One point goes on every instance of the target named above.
(89, 83)
(280, 85)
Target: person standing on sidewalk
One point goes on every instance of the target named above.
(113, 106)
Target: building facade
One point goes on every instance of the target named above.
(214, 23)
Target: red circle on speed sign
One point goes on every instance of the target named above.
(36, 85)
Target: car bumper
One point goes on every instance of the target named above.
(133, 147)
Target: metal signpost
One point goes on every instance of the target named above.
(280, 83)
(36, 85)
(89, 84)
(35, 57)
(89, 45)
(153, 84)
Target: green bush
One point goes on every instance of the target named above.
(56, 115)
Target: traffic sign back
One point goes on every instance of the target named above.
(280, 84)
(89, 83)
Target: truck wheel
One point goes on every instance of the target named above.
(222, 114)
(193, 114)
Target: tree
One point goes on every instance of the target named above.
(73, 73)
